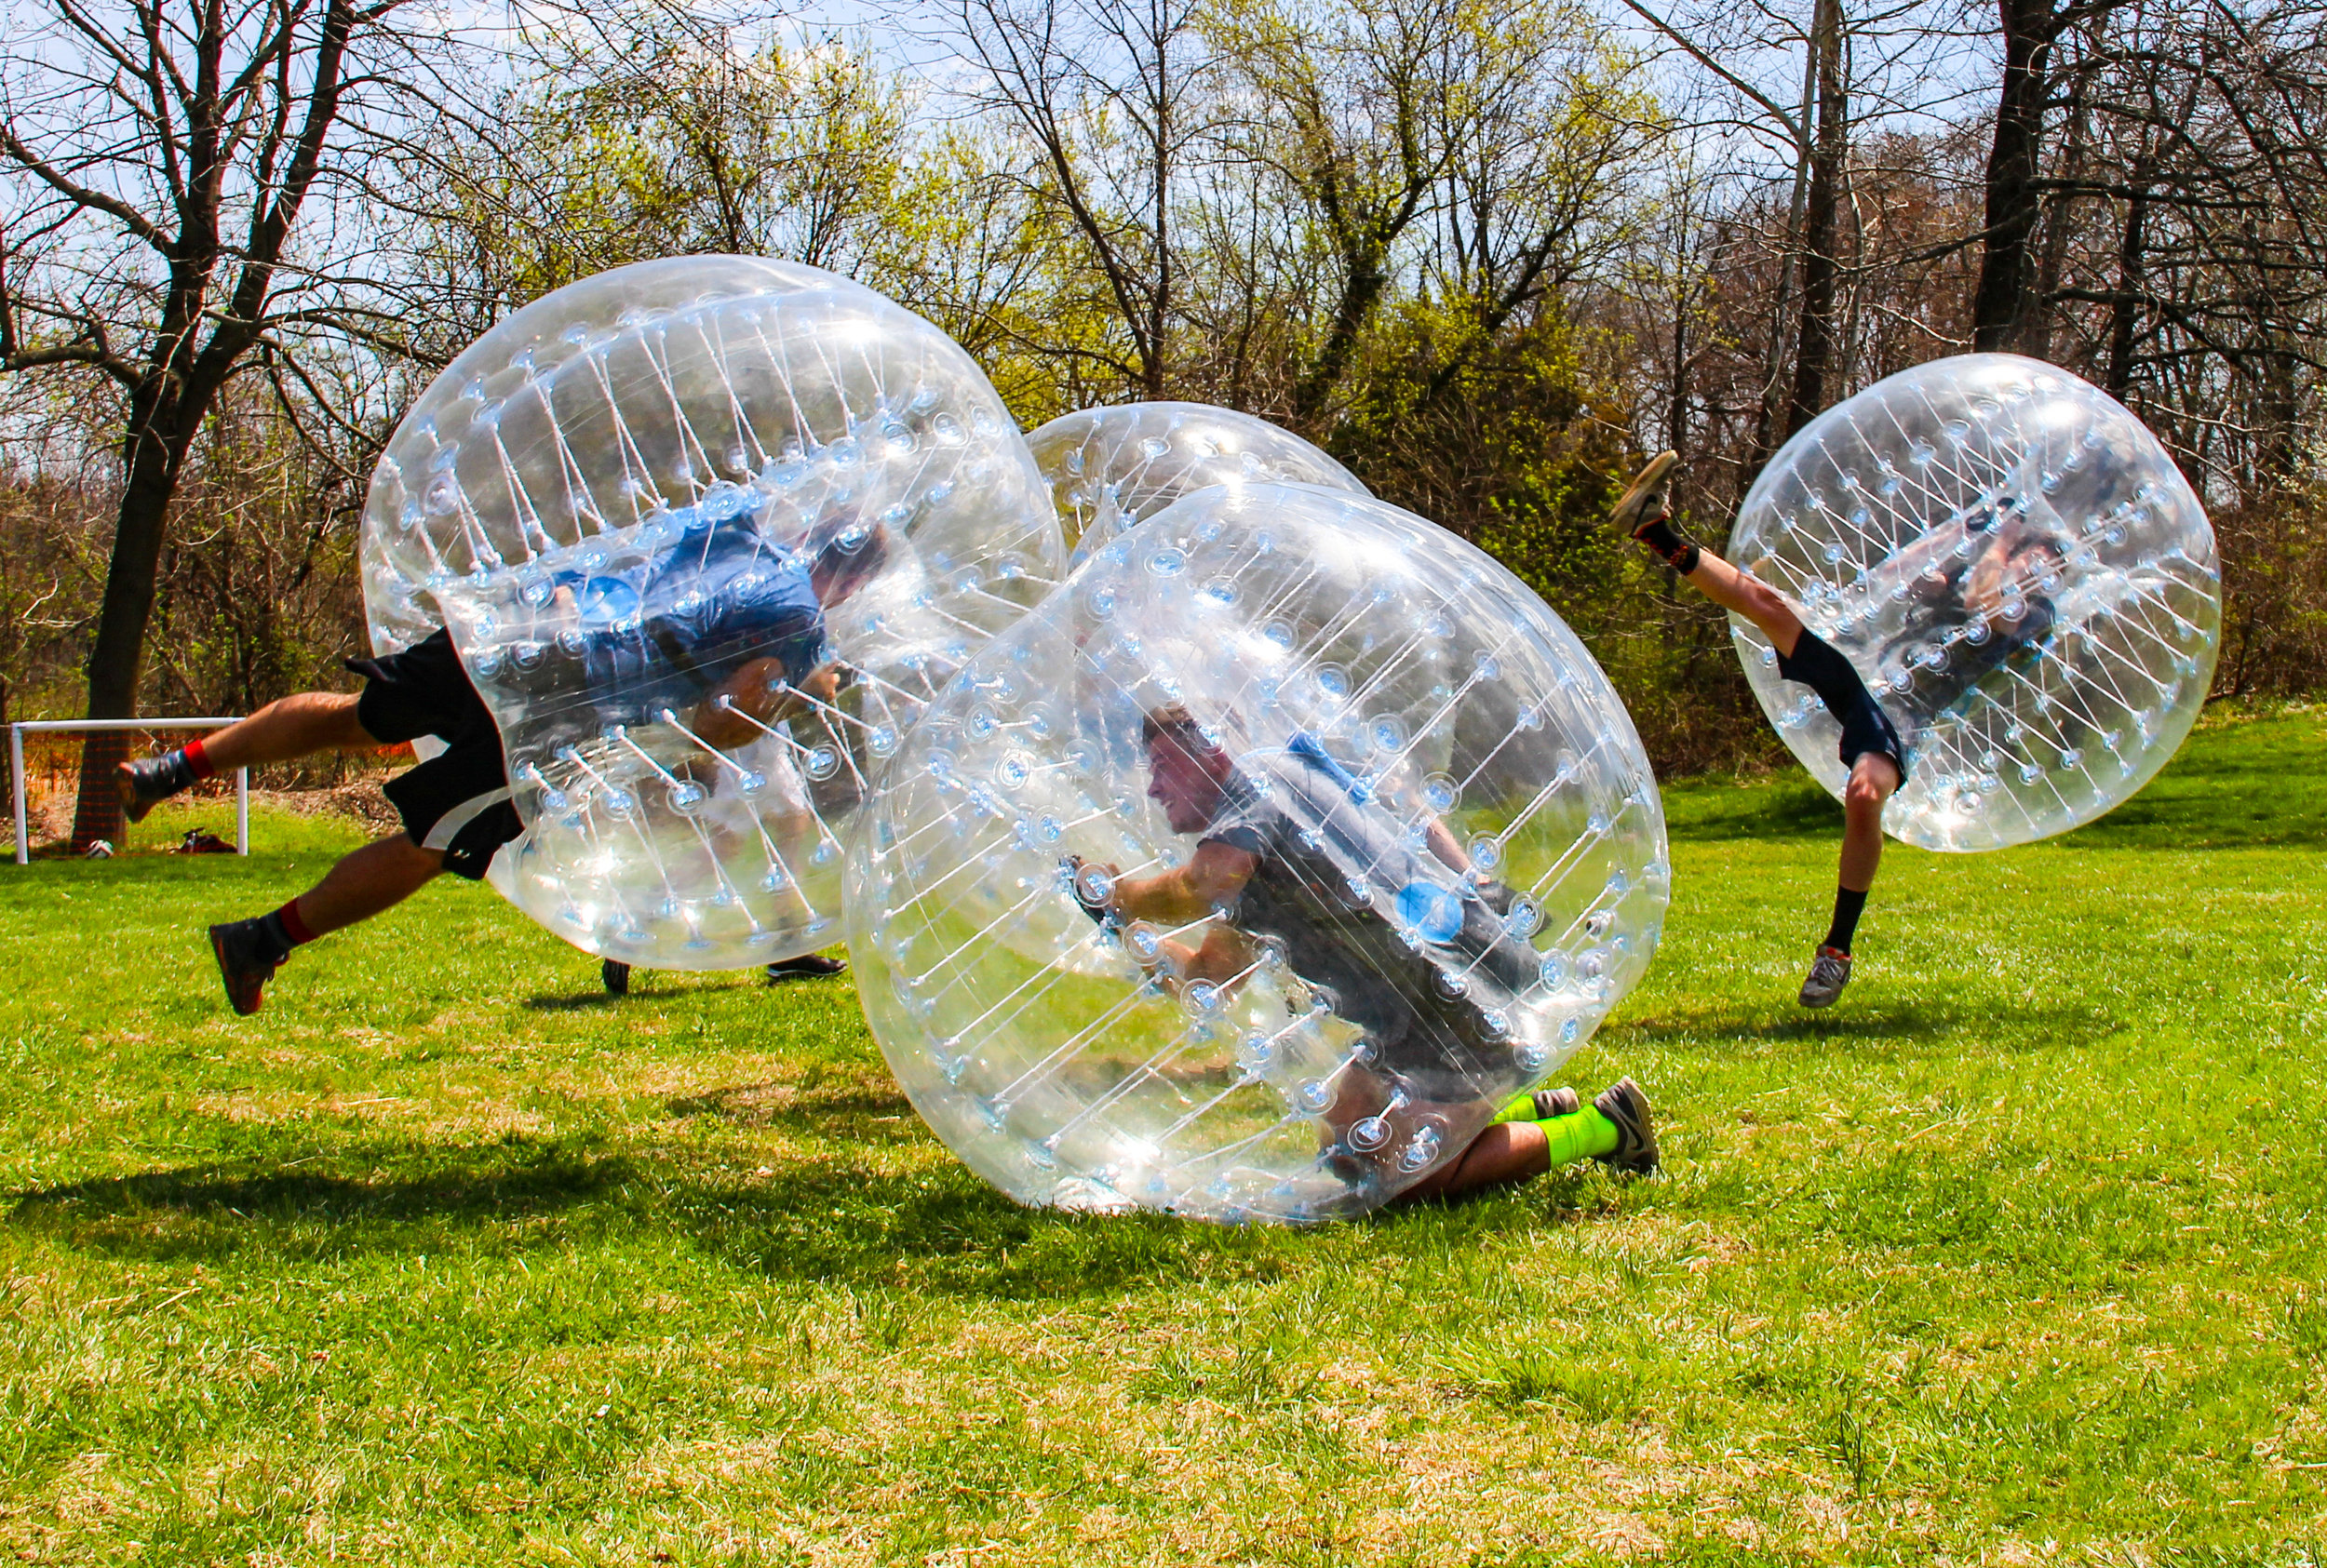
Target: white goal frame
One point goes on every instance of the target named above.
(51, 725)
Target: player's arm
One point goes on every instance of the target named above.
(760, 690)
(1223, 956)
(1213, 876)
(1441, 839)
(1984, 586)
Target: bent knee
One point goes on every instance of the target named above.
(1870, 786)
(414, 854)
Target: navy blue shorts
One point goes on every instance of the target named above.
(457, 801)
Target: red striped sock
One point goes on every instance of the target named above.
(293, 927)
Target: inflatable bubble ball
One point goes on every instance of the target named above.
(1249, 875)
(1109, 468)
(2021, 574)
(708, 533)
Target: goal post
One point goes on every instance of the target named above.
(52, 726)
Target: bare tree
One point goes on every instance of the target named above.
(161, 158)
(1114, 102)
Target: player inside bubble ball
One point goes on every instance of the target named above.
(1871, 746)
(761, 654)
(1287, 854)
(1977, 592)
(1978, 595)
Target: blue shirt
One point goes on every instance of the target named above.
(701, 609)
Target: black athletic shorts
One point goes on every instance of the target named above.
(457, 801)
(1815, 664)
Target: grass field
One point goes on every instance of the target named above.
(446, 1259)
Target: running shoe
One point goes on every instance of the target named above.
(1551, 1103)
(147, 782)
(1542, 1104)
(1828, 973)
(247, 959)
(1623, 1104)
(1649, 499)
(815, 966)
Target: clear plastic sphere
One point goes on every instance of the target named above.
(708, 533)
(1249, 875)
(2021, 574)
(1109, 468)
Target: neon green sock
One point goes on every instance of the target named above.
(1579, 1136)
(1522, 1108)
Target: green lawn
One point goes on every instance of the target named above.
(446, 1259)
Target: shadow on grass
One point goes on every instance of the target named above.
(1904, 1028)
(1786, 808)
(2246, 784)
(816, 1104)
(836, 1221)
(207, 1210)
(664, 993)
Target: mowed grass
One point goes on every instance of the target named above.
(445, 1258)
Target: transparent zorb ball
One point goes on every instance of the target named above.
(1109, 468)
(2017, 571)
(1452, 850)
(706, 533)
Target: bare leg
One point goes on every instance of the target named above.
(1749, 597)
(287, 728)
(1874, 778)
(1508, 1151)
(380, 876)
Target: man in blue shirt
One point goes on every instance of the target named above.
(710, 628)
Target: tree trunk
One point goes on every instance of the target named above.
(2003, 305)
(1315, 389)
(2125, 308)
(1814, 352)
(1765, 442)
(155, 452)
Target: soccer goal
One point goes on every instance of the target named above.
(51, 725)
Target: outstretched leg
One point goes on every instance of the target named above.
(380, 876)
(287, 728)
(1616, 1129)
(1646, 512)
(1870, 744)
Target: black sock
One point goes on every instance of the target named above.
(278, 940)
(1678, 553)
(1848, 906)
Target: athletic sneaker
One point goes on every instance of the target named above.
(1551, 1103)
(1540, 1106)
(146, 783)
(617, 977)
(247, 958)
(1649, 499)
(1828, 973)
(815, 966)
(1623, 1104)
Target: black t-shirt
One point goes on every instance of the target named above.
(1937, 610)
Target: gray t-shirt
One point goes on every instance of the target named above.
(1331, 862)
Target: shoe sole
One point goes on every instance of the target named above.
(133, 806)
(1651, 481)
(782, 977)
